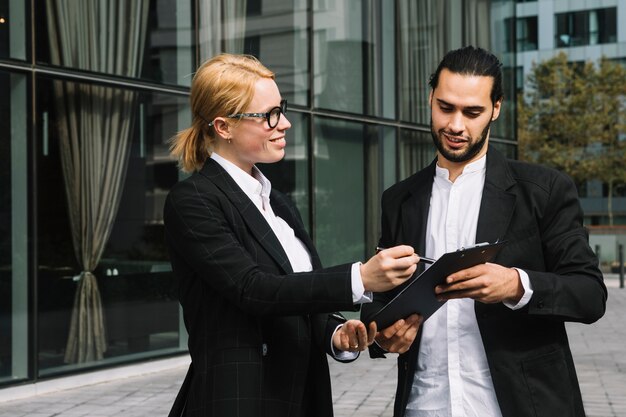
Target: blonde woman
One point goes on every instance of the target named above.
(257, 305)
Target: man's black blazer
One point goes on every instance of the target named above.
(256, 336)
(536, 210)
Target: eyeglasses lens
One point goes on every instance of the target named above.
(274, 117)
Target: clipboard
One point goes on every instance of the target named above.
(419, 294)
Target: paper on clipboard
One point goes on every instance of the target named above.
(419, 294)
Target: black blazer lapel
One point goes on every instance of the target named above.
(414, 210)
(259, 227)
(497, 205)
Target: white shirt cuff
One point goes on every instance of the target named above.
(341, 355)
(528, 291)
(359, 295)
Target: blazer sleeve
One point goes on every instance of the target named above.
(571, 286)
(207, 234)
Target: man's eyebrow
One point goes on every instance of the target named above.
(468, 108)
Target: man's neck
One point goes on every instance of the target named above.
(455, 169)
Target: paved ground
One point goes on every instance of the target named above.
(364, 388)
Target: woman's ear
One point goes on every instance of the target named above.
(221, 127)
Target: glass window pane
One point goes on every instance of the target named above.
(13, 25)
(586, 27)
(275, 32)
(353, 67)
(607, 25)
(145, 39)
(416, 151)
(527, 34)
(13, 228)
(103, 174)
(351, 165)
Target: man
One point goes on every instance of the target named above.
(498, 346)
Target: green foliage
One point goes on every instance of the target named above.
(572, 117)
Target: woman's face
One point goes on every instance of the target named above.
(251, 139)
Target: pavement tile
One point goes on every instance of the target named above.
(363, 388)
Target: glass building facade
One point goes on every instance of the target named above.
(92, 90)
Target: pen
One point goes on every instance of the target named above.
(422, 258)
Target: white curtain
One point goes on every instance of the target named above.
(222, 27)
(94, 124)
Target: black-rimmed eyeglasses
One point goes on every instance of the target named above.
(272, 116)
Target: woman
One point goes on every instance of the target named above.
(251, 287)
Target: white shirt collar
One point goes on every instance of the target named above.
(475, 166)
(255, 185)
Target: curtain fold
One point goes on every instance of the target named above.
(94, 124)
(222, 27)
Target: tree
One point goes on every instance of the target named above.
(572, 117)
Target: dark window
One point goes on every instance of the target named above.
(509, 34)
(586, 27)
(526, 34)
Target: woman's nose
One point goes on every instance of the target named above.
(284, 123)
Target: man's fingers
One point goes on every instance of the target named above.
(390, 331)
(371, 333)
(362, 336)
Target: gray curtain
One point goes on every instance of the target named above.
(94, 125)
(222, 27)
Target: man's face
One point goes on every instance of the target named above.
(461, 114)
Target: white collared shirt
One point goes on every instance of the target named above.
(257, 187)
(452, 378)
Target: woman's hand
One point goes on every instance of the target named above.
(353, 336)
(389, 268)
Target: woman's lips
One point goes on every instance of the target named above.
(279, 141)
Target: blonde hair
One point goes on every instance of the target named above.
(223, 85)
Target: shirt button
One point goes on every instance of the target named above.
(540, 304)
(264, 349)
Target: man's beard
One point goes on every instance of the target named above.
(468, 154)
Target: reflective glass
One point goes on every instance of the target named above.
(586, 27)
(527, 34)
(13, 25)
(351, 167)
(13, 228)
(354, 65)
(416, 150)
(119, 139)
(275, 31)
(152, 40)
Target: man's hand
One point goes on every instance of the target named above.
(399, 337)
(389, 268)
(353, 337)
(488, 283)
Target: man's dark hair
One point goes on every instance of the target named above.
(472, 61)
